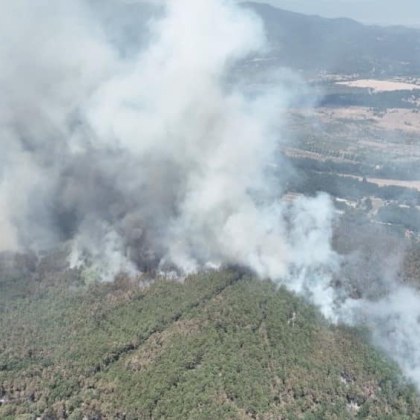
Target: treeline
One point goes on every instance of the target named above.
(310, 182)
(365, 98)
(403, 171)
(409, 217)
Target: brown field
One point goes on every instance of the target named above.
(382, 182)
(380, 85)
(394, 119)
(358, 135)
(396, 182)
(355, 134)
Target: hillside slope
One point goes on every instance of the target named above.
(316, 44)
(221, 345)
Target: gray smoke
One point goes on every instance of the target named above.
(142, 153)
(123, 135)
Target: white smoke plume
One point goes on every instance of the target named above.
(147, 156)
(122, 132)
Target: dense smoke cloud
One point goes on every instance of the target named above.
(125, 137)
(145, 156)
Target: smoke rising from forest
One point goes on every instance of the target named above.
(147, 157)
(130, 142)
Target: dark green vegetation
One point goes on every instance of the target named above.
(221, 345)
(311, 182)
(390, 170)
(363, 97)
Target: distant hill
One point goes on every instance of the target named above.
(316, 44)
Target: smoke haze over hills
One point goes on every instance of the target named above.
(146, 158)
(386, 12)
(142, 156)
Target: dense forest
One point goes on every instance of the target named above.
(219, 345)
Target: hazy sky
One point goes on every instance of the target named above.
(406, 12)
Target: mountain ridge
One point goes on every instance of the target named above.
(312, 43)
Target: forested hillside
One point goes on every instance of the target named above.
(219, 345)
